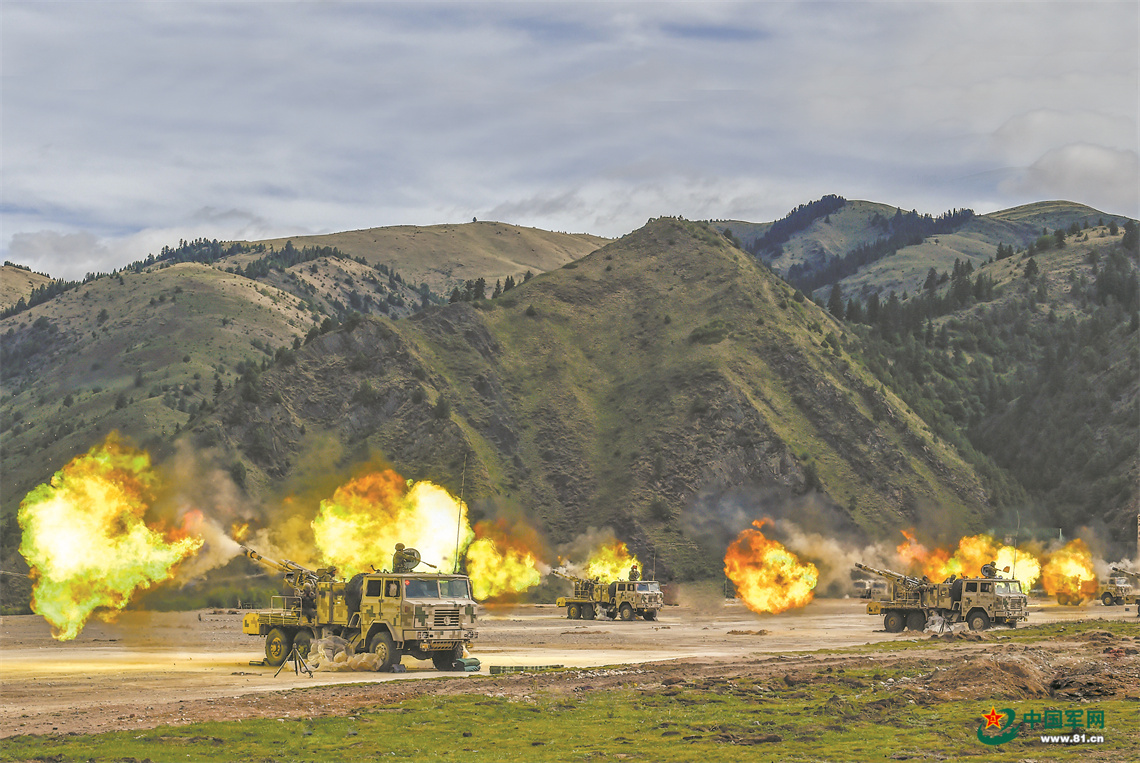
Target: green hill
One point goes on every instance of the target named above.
(646, 387)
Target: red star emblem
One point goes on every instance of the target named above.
(993, 718)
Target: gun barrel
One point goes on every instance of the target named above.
(898, 577)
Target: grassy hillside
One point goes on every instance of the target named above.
(17, 283)
(1034, 363)
(138, 352)
(658, 386)
(445, 256)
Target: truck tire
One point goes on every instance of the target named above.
(1107, 600)
(303, 641)
(650, 614)
(915, 621)
(574, 612)
(277, 646)
(894, 621)
(626, 612)
(588, 612)
(385, 648)
(978, 620)
(445, 660)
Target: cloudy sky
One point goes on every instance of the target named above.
(129, 125)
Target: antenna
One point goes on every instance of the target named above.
(459, 518)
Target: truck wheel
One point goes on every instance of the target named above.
(1107, 600)
(978, 620)
(894, 622)
(626, 612)
(915, 621)
(277, 646)
(574, 612)
(445, 660)
(303, 641)
(384, 648)
(649, 614)
(1064, 600)
(588, 612)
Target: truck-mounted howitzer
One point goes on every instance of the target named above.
(914, 603)
(430, 616)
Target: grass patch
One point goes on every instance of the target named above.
(851, 715)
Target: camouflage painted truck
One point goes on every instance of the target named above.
(912, 603)
(1133, 580)
(1116, 590)
(428, 616)
(625, 599)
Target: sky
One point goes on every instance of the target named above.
(127, 126)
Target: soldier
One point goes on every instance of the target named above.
(989, 570)
(401, 560)
(634, 573)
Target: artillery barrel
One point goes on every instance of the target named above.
(573, 578)
(291, 569)
(898, 577)
(1126, 573)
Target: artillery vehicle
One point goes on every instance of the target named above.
(425, 615)
(1133, 581)
(1115, 590)
(626, 599)
(979, 602)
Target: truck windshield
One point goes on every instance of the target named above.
(454, 589)
(421, 589)
(651, 587)
(1009, 586)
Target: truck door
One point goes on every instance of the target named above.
(390, 601)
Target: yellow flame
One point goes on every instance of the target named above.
(967, 559)
(86, 539)
(610, 561)
(767, 576)
(1069, 571)
(367, 516)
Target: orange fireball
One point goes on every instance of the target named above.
(87, 541)
(768, 577)
(967, 559)
(610, 561)
(502, 560)
(360, 525)
(1069, 572)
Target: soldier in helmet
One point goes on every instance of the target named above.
(399, 559)
(634, 573)
(989, 570)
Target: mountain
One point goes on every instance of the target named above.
(446, 256)
(810, 257)
(660, 386)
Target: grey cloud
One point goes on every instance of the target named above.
(66, 255)
(318, 117)
(1105, 178)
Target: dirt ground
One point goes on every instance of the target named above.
(149, 669)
